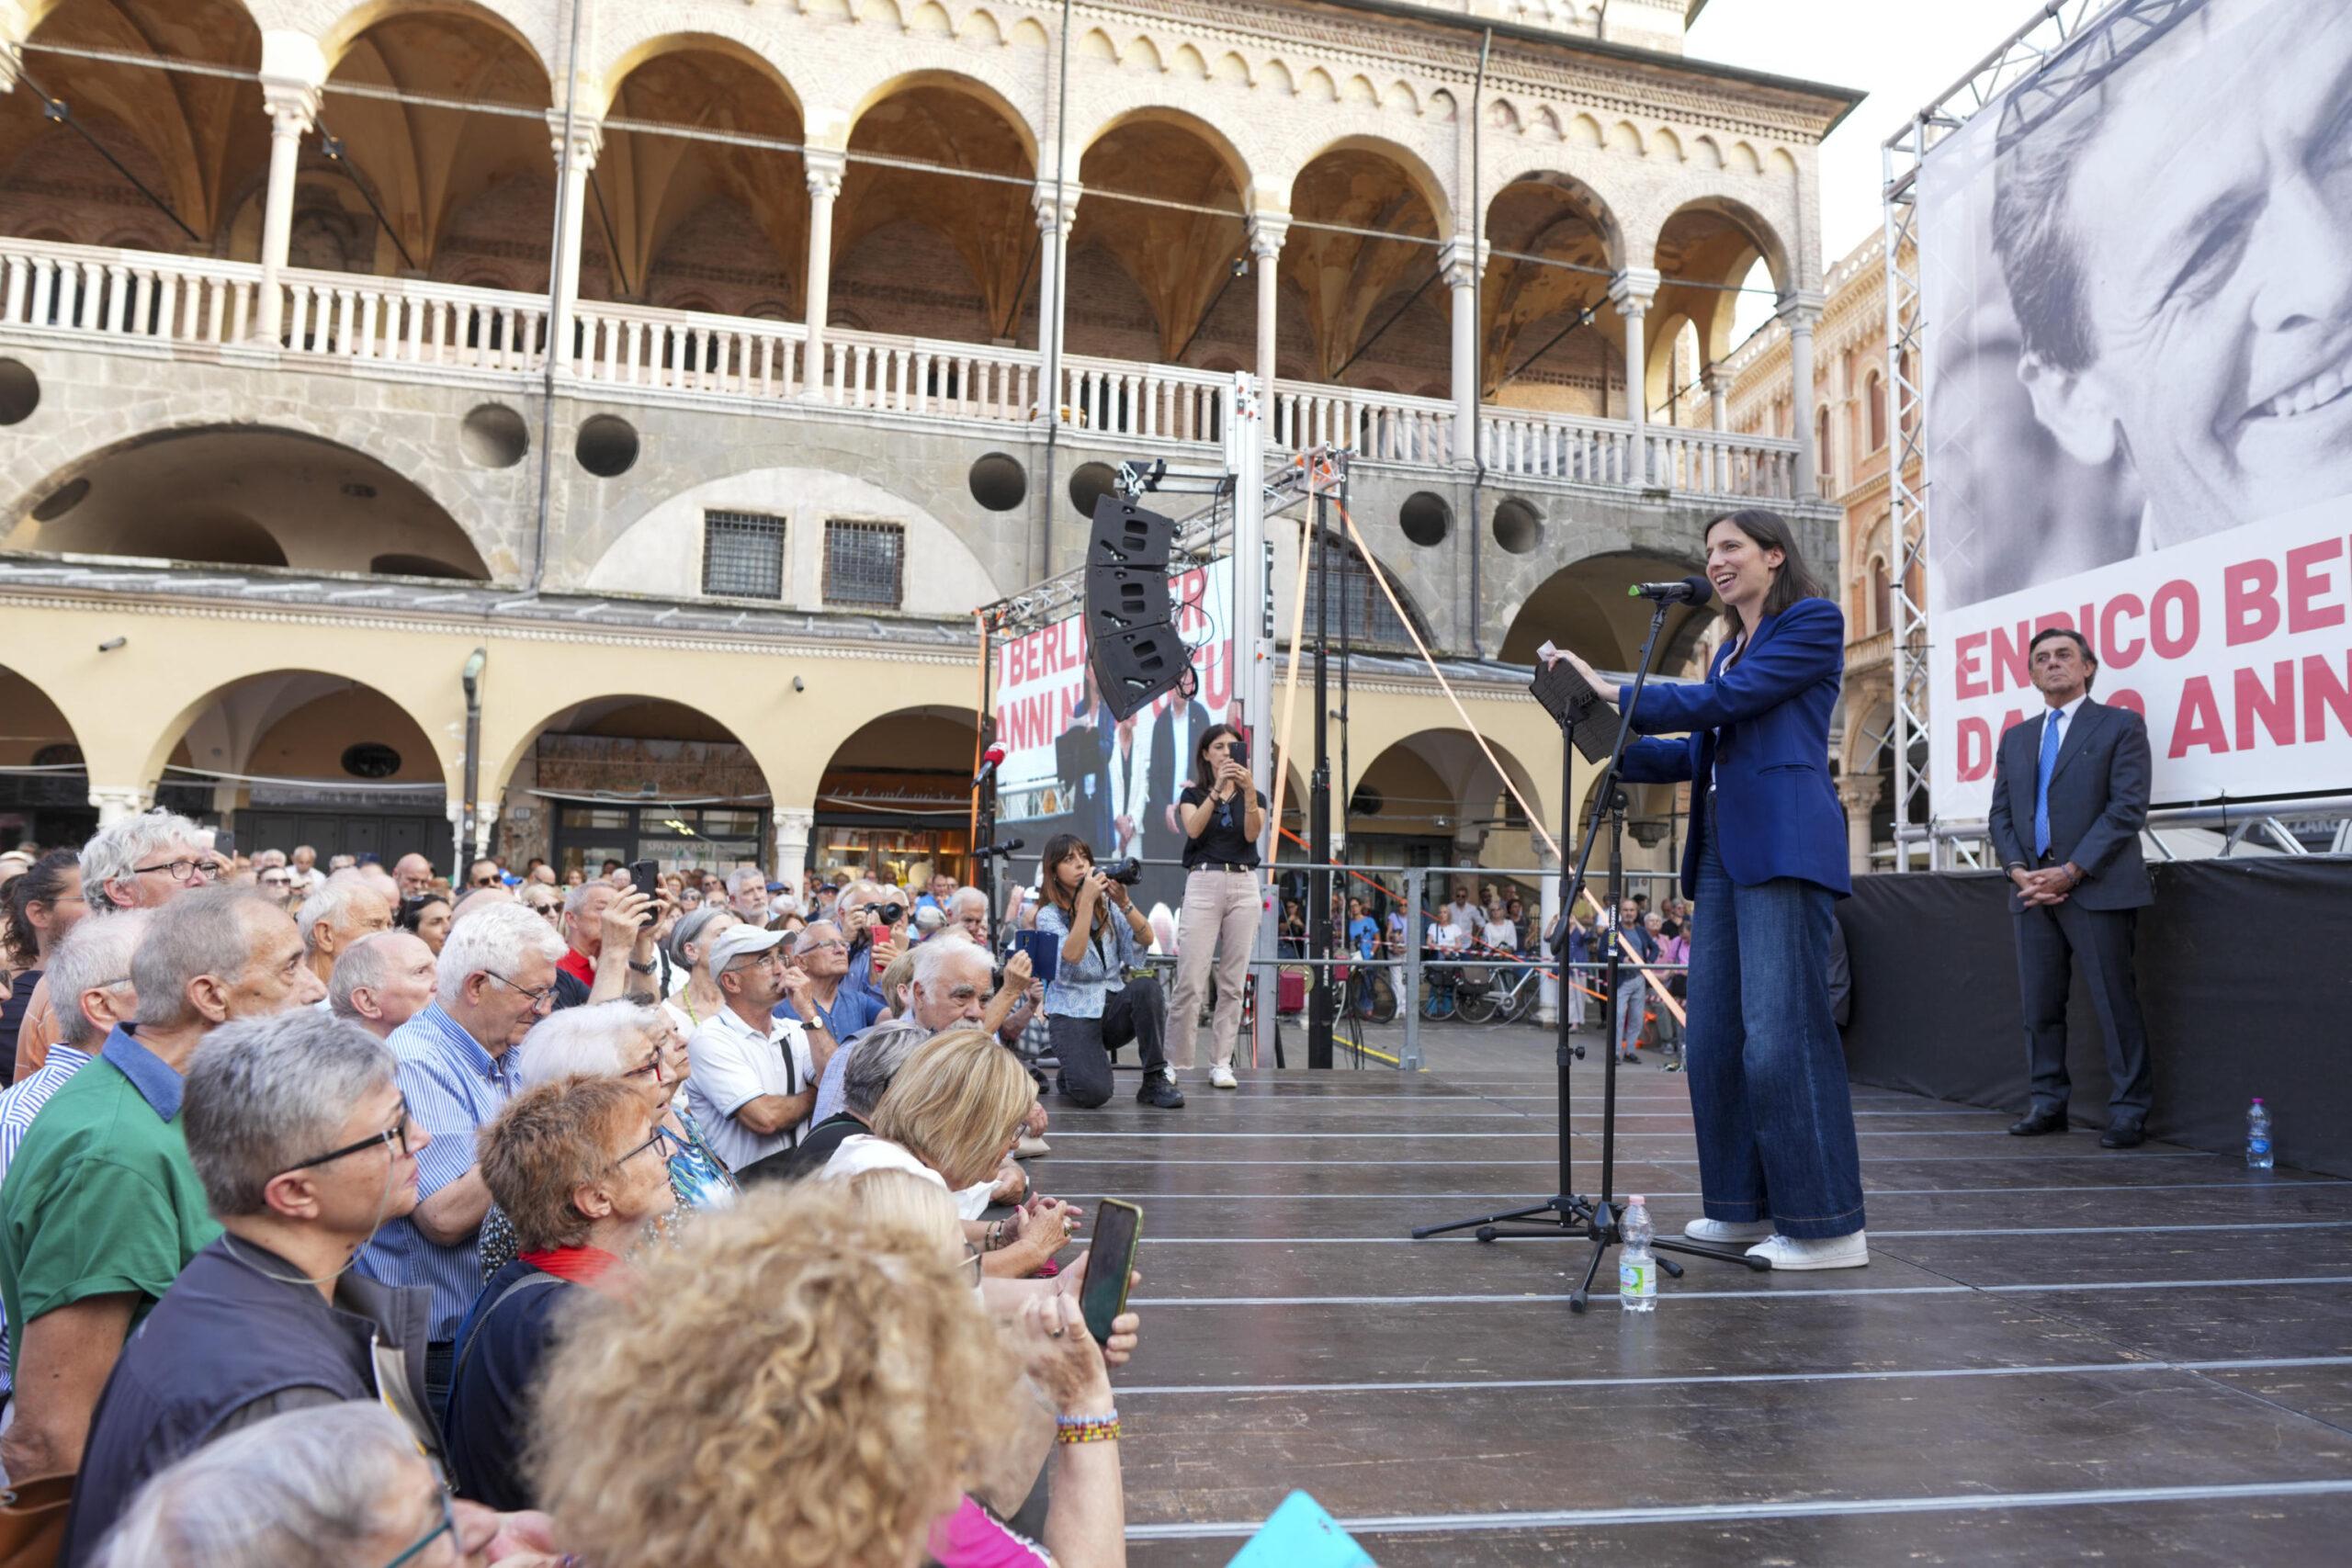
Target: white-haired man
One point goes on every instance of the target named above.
(349, 907)
(497, 979)
(605, 927)
(381, 981)
(414, 875)
(101, 1209)
(141, 862)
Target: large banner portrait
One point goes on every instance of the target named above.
(2137, 280)
(1068, 767)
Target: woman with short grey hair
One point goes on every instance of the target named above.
(642, 1046)
(694, 996)
(322, 1488)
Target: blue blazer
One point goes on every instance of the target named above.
(1763, 728)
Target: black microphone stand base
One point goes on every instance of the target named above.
(1565, 1216)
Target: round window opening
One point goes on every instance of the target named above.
(370, 760)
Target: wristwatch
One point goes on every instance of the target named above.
(635, 967)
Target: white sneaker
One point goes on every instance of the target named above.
(1784, 1252)
(1221, 1076)
(1722, 1231)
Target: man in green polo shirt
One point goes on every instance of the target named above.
(101, 1208)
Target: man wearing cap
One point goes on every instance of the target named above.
(752, 1078)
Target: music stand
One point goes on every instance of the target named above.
(1589, 723)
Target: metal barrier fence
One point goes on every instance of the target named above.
(1420, 971)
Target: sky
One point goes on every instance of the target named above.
(1902, 52)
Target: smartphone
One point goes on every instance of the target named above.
(1111, 1257)
(1239, 748)
(647, 876)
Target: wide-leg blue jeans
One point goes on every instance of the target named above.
(1767, 1071)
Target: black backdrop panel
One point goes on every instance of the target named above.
(2243, 978)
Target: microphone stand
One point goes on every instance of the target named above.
(1563, 1216)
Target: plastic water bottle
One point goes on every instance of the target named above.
(1636, 1269)
(2257, 1136)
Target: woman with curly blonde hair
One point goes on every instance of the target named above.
(787, 1386)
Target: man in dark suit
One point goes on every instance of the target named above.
(1175, 732)
(2070, 796)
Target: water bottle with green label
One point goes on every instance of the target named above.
(1636, 1269)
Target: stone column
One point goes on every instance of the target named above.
(1718, 398)
(293, 105)
(1858, 793)
(1547, 1011)
(1458, 261)
(575, 157)
(1055, 214)
(118, 802)
(1267, 232)
(1632, 290)
(824, 170)
(1798, 311)
(794, 824)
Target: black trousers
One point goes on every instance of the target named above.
(2052, 939)
(1138, 1012)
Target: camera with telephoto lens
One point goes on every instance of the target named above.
(1127, 872)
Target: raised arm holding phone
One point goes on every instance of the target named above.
(1223, 819)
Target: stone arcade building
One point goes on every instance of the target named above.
(705, 362)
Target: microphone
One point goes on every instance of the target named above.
(1689, 591)
(988, 760)
(990, 851)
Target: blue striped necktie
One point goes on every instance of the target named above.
(2050, 726)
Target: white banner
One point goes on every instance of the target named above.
(2137, 276)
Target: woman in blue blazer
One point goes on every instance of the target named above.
(1778, 1162)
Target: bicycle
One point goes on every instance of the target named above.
(1370, 996)
(1501, 1001)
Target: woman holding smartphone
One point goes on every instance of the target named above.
(1093, 1007)
(1222, 818)
(1766, 859)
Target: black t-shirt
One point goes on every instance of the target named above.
(1226, 839)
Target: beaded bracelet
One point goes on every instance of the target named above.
(1087, 1428)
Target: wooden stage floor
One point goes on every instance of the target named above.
(2057, 1352)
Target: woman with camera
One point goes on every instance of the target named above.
(1222, 818)
(1092, 1006)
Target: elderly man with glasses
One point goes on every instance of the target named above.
(752, 1078)
(141, 862)
(298, 1131)
(496, 980)
(102, 1208)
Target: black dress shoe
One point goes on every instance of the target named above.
(2033, 1123)
(2121, 1138)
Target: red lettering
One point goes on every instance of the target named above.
(2010, 720)
(2011, 665)
(2113, 651)
(2325, 692)
(2250, 601)
(2127, 698)
(1968, 675)
(2172, 641)
(2306, 582)
(1975, 749)
(1217, 681)
(2273, 706)
(2199, 720)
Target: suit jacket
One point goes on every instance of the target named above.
(1761, 728)
(2099, 803)
(1172, 769)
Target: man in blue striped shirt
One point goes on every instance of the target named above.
(90, 977)
(497, 980)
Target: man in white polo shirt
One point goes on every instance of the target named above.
(753, 1079)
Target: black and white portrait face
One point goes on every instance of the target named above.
(2178, 235)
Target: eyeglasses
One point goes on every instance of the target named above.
(835, 943)
(660, 1135)
(185, 870)
(483, 882)
(970, 1267)
(398, 1130)
(653, 1064)
(448, 1527)
(540, 999)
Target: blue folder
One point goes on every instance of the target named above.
(1301, 1535)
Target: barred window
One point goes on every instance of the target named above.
(742, 555)
(864, 562)
(1357, 601)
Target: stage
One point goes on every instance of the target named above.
(2057, 1351)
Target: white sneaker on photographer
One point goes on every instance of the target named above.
(1785, 1253)
(1723, 1231)
(1221, 1076)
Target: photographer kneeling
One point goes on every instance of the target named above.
(1091, 1004)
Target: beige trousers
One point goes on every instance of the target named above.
(1219, 926)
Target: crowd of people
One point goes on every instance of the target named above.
(349, 1216)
